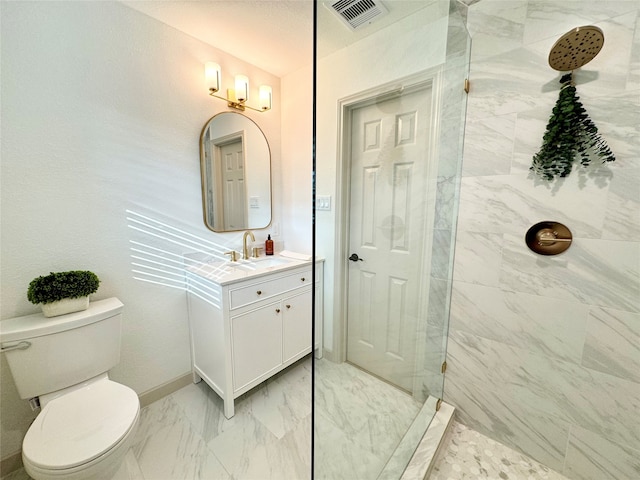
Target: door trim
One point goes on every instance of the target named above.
(429, 78)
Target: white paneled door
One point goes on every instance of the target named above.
(387, 223)
(235, 209)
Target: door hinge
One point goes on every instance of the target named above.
(467, 85)
(443, 368)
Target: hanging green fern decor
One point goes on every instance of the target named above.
(570, 135)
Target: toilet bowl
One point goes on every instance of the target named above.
(83, 434)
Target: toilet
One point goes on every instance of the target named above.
(87, 421)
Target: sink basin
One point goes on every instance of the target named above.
(225, 271)
(269, 262)
(256, 264)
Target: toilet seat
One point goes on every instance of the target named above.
(80, 426)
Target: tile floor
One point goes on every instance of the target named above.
(470, 455)
(186, 436)
(359, 422)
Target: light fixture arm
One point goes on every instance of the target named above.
(235, 104)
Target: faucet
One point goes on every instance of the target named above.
(245, 250)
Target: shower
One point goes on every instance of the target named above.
(390, 144)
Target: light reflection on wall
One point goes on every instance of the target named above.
(159, 265)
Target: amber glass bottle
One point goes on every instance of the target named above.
(268, 246)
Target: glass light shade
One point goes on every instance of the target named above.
(212, 76)
(242, 88)
(265, 97)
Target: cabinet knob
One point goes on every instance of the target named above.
(277, 310)
(259, 292)
(302, 279)
(288, 306)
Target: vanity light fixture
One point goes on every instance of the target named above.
(238, 96)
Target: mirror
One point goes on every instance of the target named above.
(235, 165)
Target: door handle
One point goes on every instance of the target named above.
(354, 257)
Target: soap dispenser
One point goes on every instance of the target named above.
(268, 246)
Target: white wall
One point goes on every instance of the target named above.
(543, 352)
(409, 46)
(102, 109)
(297, 152)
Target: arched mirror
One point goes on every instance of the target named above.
(235, 165)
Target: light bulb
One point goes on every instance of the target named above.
(212, 76)
(265, 97)
(242, 88)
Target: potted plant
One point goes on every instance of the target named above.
(63, 292)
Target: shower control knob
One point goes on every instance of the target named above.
(354, 257)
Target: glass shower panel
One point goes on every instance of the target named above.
(450, 142)
(369, 415)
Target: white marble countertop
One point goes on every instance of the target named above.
(225, 272)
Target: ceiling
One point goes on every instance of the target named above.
(274, 35)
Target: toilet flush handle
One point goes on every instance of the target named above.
(23, 345)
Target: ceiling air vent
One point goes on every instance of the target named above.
(358, 13)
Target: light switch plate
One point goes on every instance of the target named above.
(323, 202)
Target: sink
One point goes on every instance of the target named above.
(224, 271)
(269, 262)
(256, 264)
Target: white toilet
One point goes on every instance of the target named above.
(87, 422)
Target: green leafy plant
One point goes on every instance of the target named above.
(57, 286)
(570, 135)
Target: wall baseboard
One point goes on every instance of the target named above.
(329, 355)
(161, 391)
(13, 461)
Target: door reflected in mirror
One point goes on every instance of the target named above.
(235, 165)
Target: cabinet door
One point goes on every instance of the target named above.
(256, 344)
(296, 325)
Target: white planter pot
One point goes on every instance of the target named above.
(66, 305)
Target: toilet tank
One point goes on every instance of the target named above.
(64, 350)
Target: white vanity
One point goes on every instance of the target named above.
(249, 320)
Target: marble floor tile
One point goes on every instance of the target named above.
(470, 455)
(204, 409)
(131, 467)
(177, 451)
(282, 403)
(155, 416)
(243, 442)
(338, 456)
(286, 458)
(359, 422)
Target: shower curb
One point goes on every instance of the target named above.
(432, 442)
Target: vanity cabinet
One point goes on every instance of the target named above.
(244, 331)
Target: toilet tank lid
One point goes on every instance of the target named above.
(37, 325)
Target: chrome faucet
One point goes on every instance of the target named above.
(245, 250)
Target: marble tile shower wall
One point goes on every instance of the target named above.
(544, 352)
